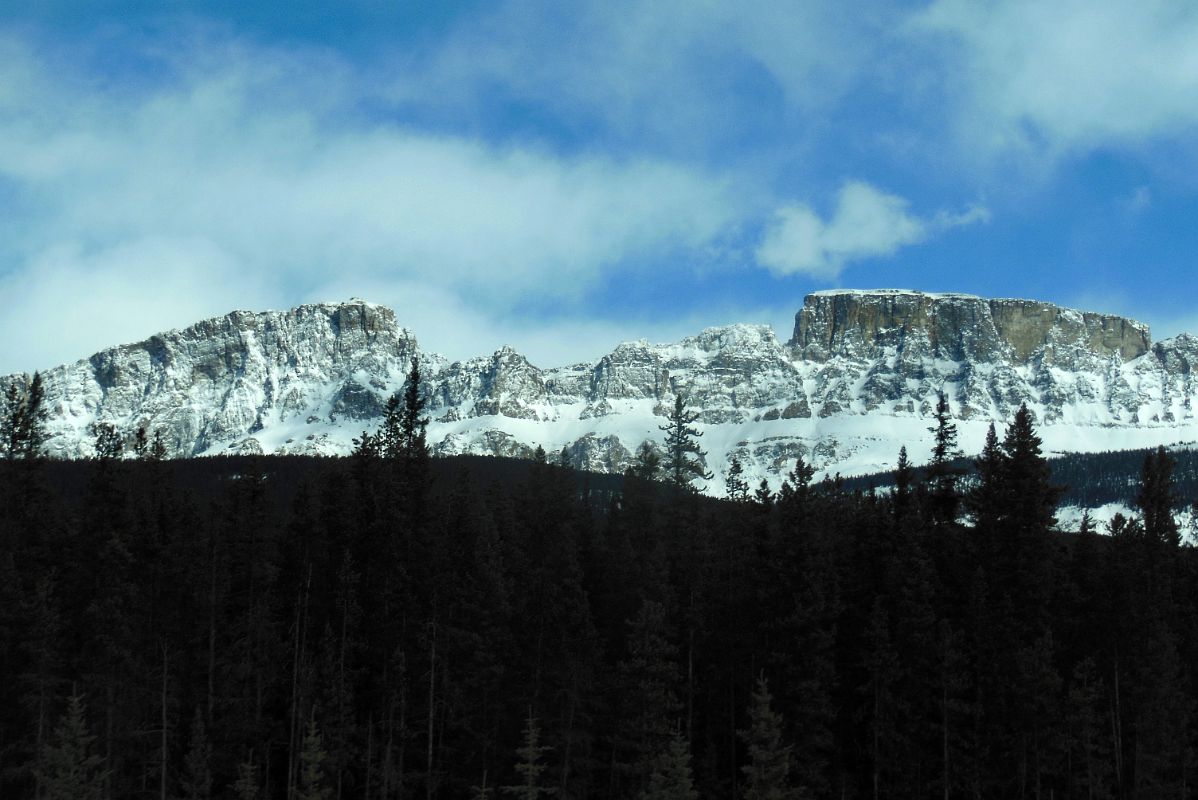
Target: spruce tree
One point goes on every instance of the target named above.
(23, 420)
(530, 767)
(671, 777)
(684, 457)
(107, 443)
(986, 502)
(413, 442)
(649, 678)
(767, 775)
(903, 479)
(196, 781)
(158, 447)
(246, 785)
(942, 476)
(311, 765)
(763, 495)
(1156, 498)
(10, 422)
(70, 770)
(647, 464)
(735, 486)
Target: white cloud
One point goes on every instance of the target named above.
(67, 302)
(669, 72)
(249, 179)
(866, 223)
(1057, 78)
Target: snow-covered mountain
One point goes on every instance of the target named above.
(857, 380)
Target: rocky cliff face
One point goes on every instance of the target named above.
(857, 380)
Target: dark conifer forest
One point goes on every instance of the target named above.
(389, 625)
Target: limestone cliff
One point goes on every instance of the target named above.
(858, 379)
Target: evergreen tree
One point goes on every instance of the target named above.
(10, 421)
(141, 443)
(158, 447)
(648, 463)
(530, 766)
(767, 775)
(1088, 741)
(903, 480)
(23, 420)
(648, 680)
(387, 440)
(1029, 501)
(246, 785)
(986, 502)
(196, 782)
(413, 443)
(107, 443)
(311, 765)
(684, 458)
(942, 476)
(70, 770)
(1156, 499)
(735, 486)
(1029, 492)
(671, 777)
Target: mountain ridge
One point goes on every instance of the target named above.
(856, 381)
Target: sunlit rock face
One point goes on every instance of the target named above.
(857, 381)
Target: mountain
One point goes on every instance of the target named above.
(857, 380)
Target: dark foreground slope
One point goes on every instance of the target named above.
(386, 629)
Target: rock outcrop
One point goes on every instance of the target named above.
(857, 380)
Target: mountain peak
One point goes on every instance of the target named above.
(868, 324)
(858, 380)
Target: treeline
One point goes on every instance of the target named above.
(380, 626)
(1087, 480)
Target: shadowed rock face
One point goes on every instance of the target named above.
(866, 325)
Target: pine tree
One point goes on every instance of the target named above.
(10, 422)
(985, 502)
(767, 775)
(70, 771)
(903, 480)
(671, 777)
(141, 444)
(1031, 497)
(246, 785)
(648, 463)
(735, 486)
(763, 496)
(941, 475)
(108, 443)
(413, 443)
(311, 779)
(158, 447)
(530, 766)
(649, 678)
(684, 458)
(1156, 498)
(23, 420)
(196, 781)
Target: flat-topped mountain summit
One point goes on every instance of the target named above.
(857, 380)
(960, 327)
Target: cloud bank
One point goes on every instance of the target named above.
(866, 223)
(253, 181)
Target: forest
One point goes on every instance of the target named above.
(389, 625)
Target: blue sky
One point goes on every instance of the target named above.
(563, 176)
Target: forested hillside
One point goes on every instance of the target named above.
(1090, 480)
(387, 625)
